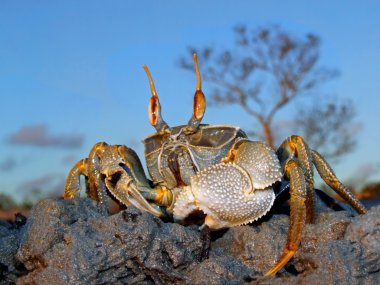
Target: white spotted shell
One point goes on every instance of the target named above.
(232, 194)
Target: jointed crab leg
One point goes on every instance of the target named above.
(298, 159)
(328, 175)
(96, 186)
(298, 196)
(295, 147)
(90, 169)
(72, 187)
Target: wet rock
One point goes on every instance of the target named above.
(74, 242)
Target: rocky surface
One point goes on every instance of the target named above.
(73, 242)
(10, 240)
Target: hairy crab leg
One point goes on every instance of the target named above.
(295, 147)
(90, 169)
(96, 187)
(72, 186)
(328, 175)
(298, 196)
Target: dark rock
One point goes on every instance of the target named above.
(74, 242)
(20, 220)
(10, 239)
(70, 242)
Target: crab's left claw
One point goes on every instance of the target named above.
(234, 192)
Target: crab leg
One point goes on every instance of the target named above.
(295, 147)
(96, 187)
(90, 168)
(328, 175)
(298, 213)
(72, 187)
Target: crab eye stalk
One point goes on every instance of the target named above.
(154, 108)
(199, 105)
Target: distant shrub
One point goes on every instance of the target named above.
(371, 191)
(6, 202)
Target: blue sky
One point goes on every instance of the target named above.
(70, 74)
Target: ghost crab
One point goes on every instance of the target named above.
(210, 168)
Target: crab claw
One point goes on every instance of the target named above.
(233, 193)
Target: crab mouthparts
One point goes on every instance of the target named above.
(177, 166)
(181, 166)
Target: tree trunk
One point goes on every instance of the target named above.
(268, 133)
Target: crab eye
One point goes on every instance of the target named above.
(199, 105)
(153, 111)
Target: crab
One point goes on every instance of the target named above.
(213, 169)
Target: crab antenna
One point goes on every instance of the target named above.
(199, 105)
(154, 108)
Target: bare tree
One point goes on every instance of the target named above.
(266, 71)
(329, 127)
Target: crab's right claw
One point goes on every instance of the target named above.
(126, 180)
(118, 170)
(127, 193)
